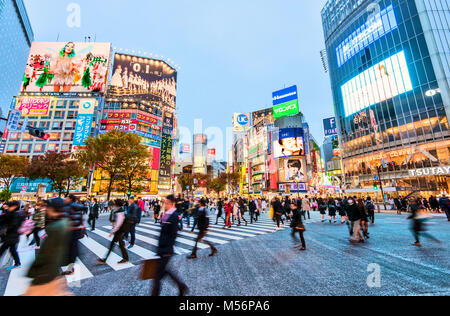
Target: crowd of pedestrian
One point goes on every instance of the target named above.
(54, 227)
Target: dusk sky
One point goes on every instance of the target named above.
(233, 54)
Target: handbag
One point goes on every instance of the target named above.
(149, 269)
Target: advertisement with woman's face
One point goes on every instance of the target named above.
(290, 143)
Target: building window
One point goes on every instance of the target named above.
(57, 126)
(39, 148)
(53, 147)
(11, 148)
(25, 148)
(59, 114)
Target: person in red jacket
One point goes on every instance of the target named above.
(228, 207)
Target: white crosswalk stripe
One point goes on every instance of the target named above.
(147, 234)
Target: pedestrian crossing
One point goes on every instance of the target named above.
(147, 233)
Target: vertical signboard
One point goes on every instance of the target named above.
(165, 177)
(84, 121)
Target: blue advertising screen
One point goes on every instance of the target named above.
(378, 26)
(379, 83)
(285, 95)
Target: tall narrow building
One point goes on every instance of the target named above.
(16, 37)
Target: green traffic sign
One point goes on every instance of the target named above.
(286, 109)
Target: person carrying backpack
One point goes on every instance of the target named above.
(120, 226)
(203, 224)
(370, 206)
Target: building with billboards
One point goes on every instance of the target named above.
(390, 83)
(16, 38)
(141, 99)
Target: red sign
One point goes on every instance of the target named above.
(211, 153)
(119, 115)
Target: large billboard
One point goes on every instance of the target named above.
(375, 28)
(292, 170)
(165, 169)
(381, 82)
(241, 122)
(144, 78)
(285, 102)
(288, 142)
(265, 116)
(67, 67)
(33, 106)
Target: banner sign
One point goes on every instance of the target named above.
(288, 142)
(285, 102)
(14, 120)
(330, 127)
(33, 106)
(165, 168)
(241, 122)
(84, 121)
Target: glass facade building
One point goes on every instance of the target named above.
(15, 39)
(389, 64)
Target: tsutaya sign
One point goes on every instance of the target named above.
(436, 171)
(285, 102)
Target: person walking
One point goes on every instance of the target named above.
(370, 206)
(278, 212)
(354, 215)
(120, 226)
(133, 216)
(74, 212)
(419, 218)
(228, 209)
(93, 214)
(332, 210)
(219, 211)
(156, 211)
(444, 204)
(297, 227)
(11, 222)
(45, 272)
(203, 224)
(39, 223)
(252, 207)
(166, 242)
(241, 211)
(306, 207)
(322, 208)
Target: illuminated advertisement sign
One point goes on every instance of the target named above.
(33, 106)
(285, 102)
(145, 78)
(288, 142)
(292, 170)
(381, 82)
(67, 67)
(241, 122)
(85, 119)
(211, 153)
(330, 127)
(264, 116)
(378, 26)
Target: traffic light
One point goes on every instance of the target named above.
(39, 133)
(375, 187)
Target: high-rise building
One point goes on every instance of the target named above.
(389, 64)
(15, 37)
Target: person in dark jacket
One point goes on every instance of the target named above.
(167, 238)
(419, 217)
(444, 204)
(133, 215)
(74, 212)
(332, 210)
(252, 209)
(203, 224)
(46, 268)
(93, 214)
(277, 211)
(297, 226)
(10, 222)
(354, 214)
(219, 211)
